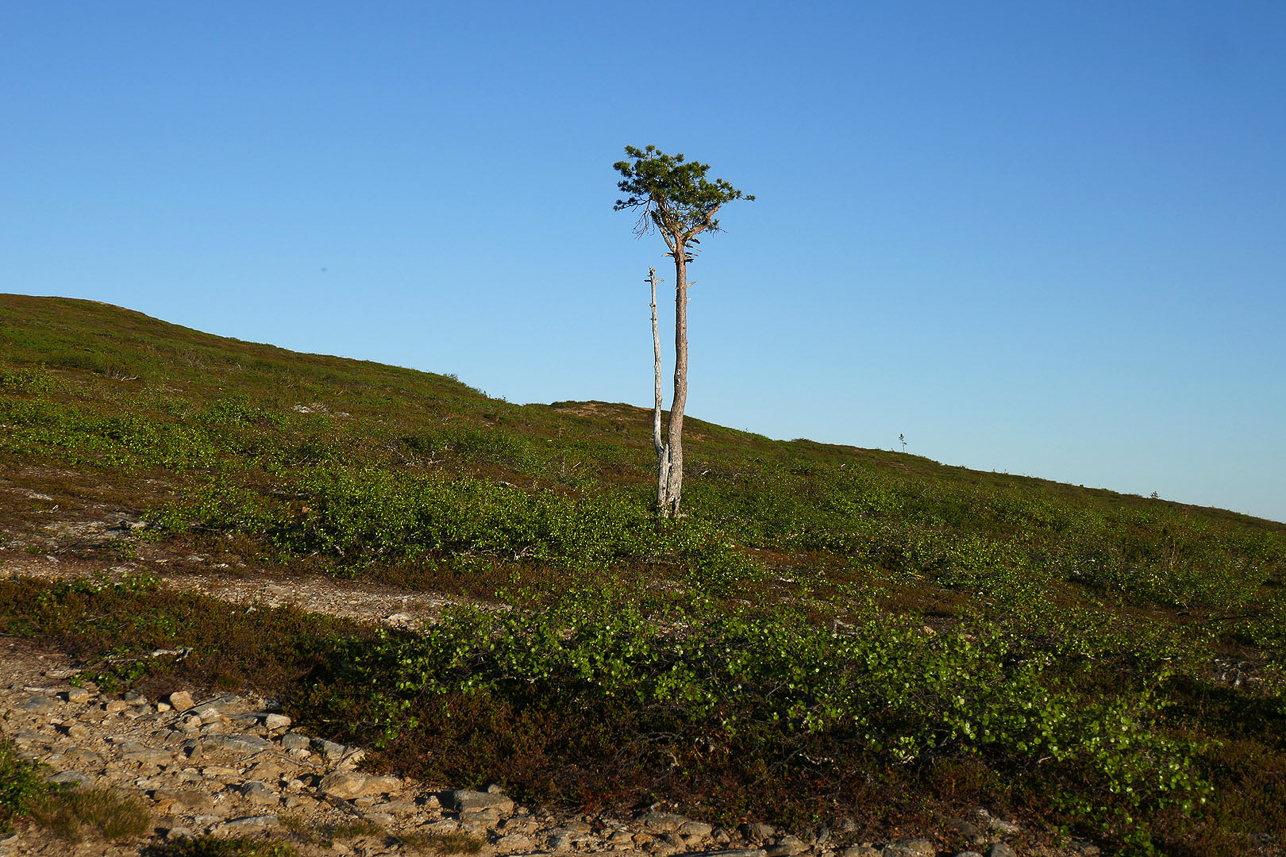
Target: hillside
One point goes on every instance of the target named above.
(871, 640)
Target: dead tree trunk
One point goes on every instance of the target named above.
(662, 449)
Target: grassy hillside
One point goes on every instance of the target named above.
(862, 635)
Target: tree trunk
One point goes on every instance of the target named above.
(662, 450)
(675, 482)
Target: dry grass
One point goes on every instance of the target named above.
(440, 843)
(76, 814)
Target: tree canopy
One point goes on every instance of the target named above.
(674, 193)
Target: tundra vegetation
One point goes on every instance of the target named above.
(829, 633)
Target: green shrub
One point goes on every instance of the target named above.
(21, 784)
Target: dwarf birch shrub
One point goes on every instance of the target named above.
(882, 692)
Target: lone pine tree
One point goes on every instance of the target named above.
(679, 202)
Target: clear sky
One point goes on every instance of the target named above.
(1043, 238)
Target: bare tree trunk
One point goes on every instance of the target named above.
(675, 487)
(662, 450)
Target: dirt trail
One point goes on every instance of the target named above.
(359, 601)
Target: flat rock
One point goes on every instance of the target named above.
(462, 800)
(757, 831)
(257, 792)
(295, 741)
(215, 706)
(39, 704)
(655, 821)
(787, 846)
(276, 721)
(997, 824)
(514, 842)
(75, 778)
(246, 824)
(188, 801)
(909, 848)
(229, 745)
(344, 784)
(133, 751)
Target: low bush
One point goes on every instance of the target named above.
(21, 784)
(687, 693)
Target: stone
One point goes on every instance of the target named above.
(215, 706)
(965, 828)
(269, 769)
(329, 749)
(133, 751)
(514, 842)
(229, 746)
(113, 706)
(909, 848)
(258, 792)
(77, 694)
(695, 828)
(276, 721)
(295, 741)
(183, 799)
(218, 771)
(486, 816)
(757, 831)
(246, 824)
(787, 846)
(39, 704)
(859, 851)
(75, 778)
(1000, 849)
(344, 784)
(968, 854)
(997, 824)
(77, 732)
(655, 821)
(383, 785)
(732, 852)
(461, 800)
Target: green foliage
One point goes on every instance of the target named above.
(116, 627)
(881, 692)
(21, 784)
(1148, 638)
(673, 192)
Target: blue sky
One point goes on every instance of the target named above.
(1042, 238)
